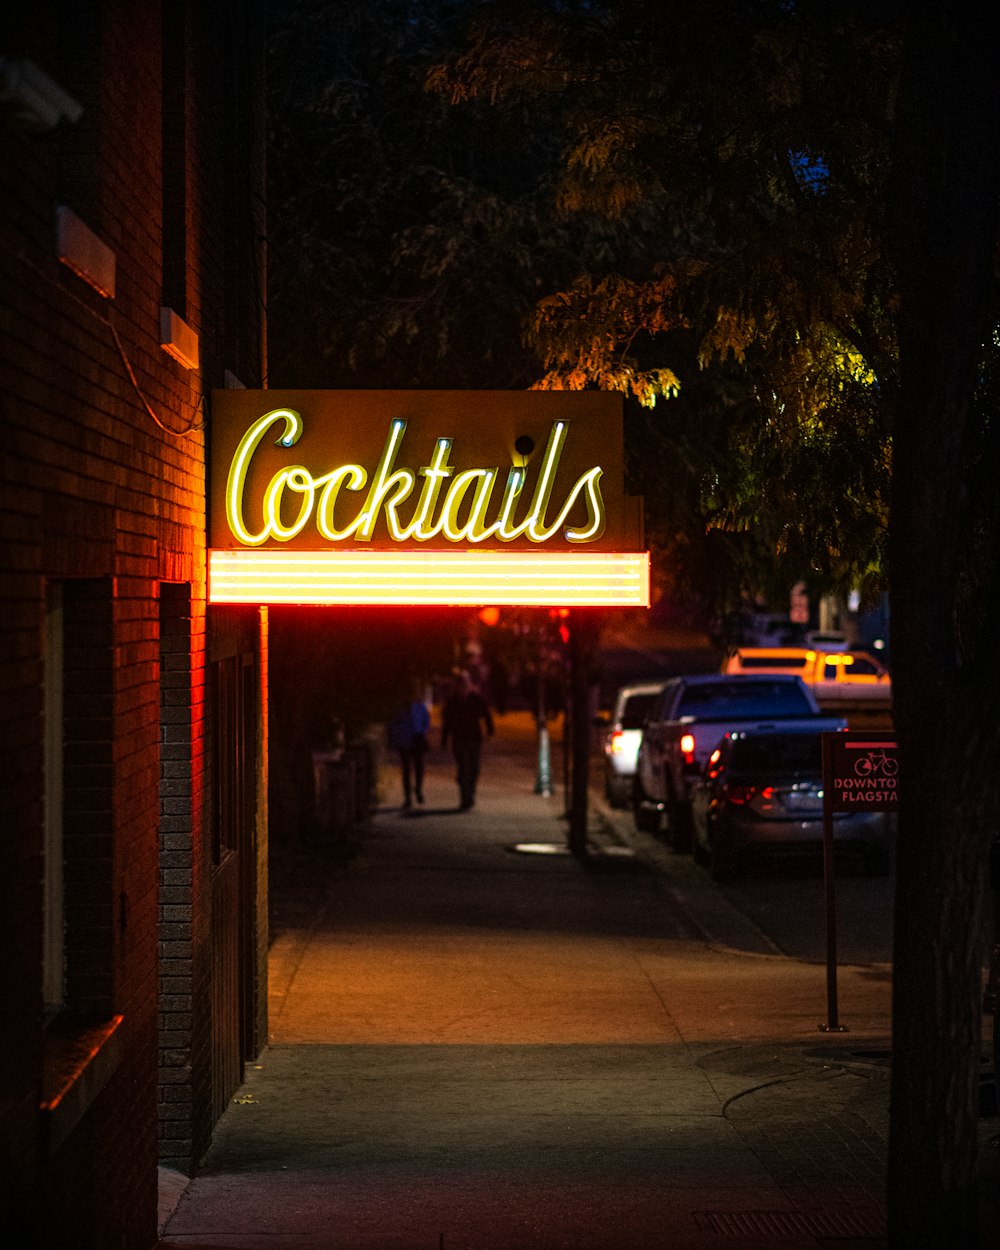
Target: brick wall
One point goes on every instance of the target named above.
(102, 481)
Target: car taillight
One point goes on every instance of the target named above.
(617, 742)
(687, 748)
(763, 799)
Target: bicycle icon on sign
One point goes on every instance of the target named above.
(872, 763)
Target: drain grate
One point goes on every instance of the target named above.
(818, 1224)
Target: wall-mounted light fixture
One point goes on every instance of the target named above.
(79, 249)
(35, 99)
(178, 339)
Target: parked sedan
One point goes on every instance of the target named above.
(761, 793)
(621, 742)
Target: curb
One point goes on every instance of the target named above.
(711, 916)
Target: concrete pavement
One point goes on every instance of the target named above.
(477, 1046)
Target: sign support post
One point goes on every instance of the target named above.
(581, 638)
(543, 776)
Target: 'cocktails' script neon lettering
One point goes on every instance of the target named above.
(454, 506)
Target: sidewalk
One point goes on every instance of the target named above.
(479, 1047)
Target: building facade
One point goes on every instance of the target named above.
(133, 859)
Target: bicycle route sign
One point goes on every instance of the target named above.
(859, 771)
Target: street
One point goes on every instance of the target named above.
(784, 901)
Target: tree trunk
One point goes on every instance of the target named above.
(944, 540)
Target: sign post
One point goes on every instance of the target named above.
(859, 773)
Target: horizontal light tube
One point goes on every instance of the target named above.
(474, 578)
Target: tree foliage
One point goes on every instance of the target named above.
(410, 239)
(746, 204)
(647, 199)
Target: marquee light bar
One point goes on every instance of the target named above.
(473, 578)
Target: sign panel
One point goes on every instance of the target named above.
(479, 497)
(860, 772)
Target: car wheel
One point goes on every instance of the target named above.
(645, 814)
(680, 826)
(616, 793)
(646, 818)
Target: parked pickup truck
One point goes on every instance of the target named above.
(833, 676)
(688, 722)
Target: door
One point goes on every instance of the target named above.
(233, 788)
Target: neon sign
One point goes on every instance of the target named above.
(413, 497)
(438, 511)
(470, 578)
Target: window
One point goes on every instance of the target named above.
(54, 949)
(79, 719)
(83, 1041)
(772, 661)
(637, 710)
(778, 754)
(746, 697)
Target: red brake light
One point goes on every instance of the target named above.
(616, 742)
(687, 748)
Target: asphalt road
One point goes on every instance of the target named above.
(782, 904)
(789, 903)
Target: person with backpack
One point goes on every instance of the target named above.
(407, 734)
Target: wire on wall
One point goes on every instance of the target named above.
(199, 418)
(192, 426)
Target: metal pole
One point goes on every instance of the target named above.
(543, 779)
(567, 748)
(580, 637)
(829, 881)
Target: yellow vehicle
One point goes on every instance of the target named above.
(831, 675)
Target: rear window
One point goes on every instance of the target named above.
(852, 666)
(637, 710)
(860, 667)
(778, 753)
(772, 661)
(751, 700)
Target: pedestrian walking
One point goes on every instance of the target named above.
(464, 718)
(407, 733)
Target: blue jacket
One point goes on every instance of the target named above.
(410, 722)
